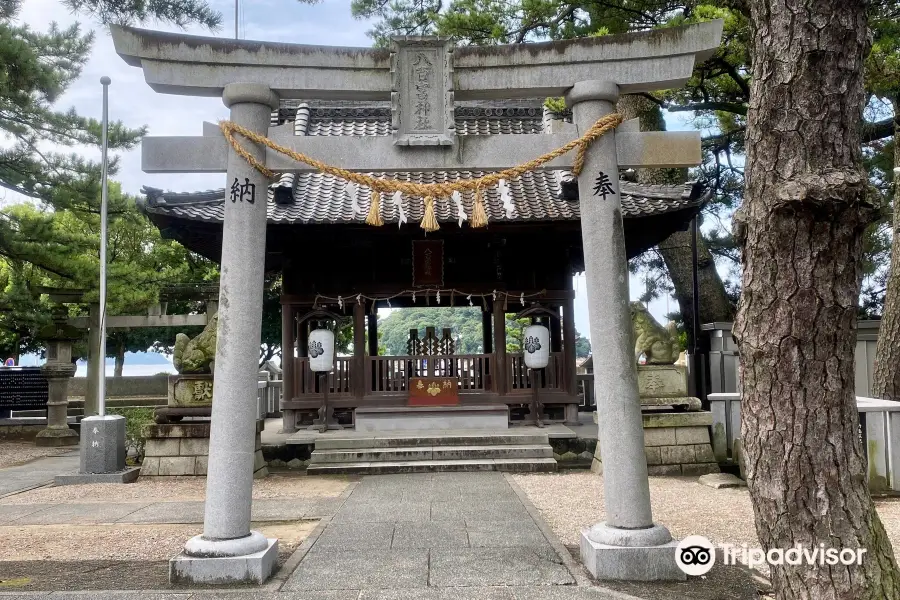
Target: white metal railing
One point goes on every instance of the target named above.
(879, 435)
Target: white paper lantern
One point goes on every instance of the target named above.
(537, 346)
(321, 350)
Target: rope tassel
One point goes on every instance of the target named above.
(429, 221)
(374, 216)
(479, 216)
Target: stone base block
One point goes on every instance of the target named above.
(251, 568)
(56, 436)
(675, 444)
(129, 475)
(102, 444)
(176, 450)
(641, 563)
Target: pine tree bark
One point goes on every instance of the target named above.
(676, 249)
(886, 378)
(120, 358)
(805, 210)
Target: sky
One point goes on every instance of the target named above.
(132, 101)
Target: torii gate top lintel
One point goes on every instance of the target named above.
(203, 66)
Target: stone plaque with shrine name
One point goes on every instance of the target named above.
(422, 92)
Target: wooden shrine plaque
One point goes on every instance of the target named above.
(433, 391)
(428, 262)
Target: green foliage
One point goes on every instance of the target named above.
(52, 239)
(465, 322)
(136, 418)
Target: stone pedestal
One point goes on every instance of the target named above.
(102, 453)
(183, 449)
(58, 370)
(675, 443)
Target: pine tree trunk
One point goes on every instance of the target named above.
(886, 379)
(120, 358)
(804, 214)
(676, 249)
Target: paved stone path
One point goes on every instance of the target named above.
(36, 473)
(442, 530)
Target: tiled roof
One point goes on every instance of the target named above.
(321, 199)
(318, 198)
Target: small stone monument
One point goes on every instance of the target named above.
(58, 369)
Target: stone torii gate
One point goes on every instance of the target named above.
(423, 78)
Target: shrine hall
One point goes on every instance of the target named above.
(329, 258)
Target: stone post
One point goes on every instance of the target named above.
(228, 551)
(58, 369)
(628, 545)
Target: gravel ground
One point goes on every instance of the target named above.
(122, 542)
(17, 453)
(574, 500)
(181, 489)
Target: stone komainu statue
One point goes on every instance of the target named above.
(658, 344)
(196, 355)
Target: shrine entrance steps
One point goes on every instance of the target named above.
(431, 451)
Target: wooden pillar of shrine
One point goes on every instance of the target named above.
(372, 322)
(288, 339)
(358, 376)
(500, 375)
(555, 333)
(570, 383)
(487, 344)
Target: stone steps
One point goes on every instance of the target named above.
(431, 466)
(427, 451)
(432, 453)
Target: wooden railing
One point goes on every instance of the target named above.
(306, 382)
(586, 392)
(553, 376)
(391, 374)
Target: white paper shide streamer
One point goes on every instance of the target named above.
(351, 189)
(460, 212)
(397, 199)
(506, 198)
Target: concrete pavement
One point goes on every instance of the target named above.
(36, 473)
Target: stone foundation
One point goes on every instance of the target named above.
(183, 449)
(675, 443)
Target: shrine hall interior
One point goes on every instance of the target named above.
(317, 239)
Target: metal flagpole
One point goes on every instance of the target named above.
(101, 385)
(236, 4)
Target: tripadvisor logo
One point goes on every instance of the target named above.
(695, 555)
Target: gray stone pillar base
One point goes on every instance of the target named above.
(630, 554)
(102, 444)
(225, 561)
(56, 436)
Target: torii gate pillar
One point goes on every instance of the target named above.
(628, 545)
(228, 551)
